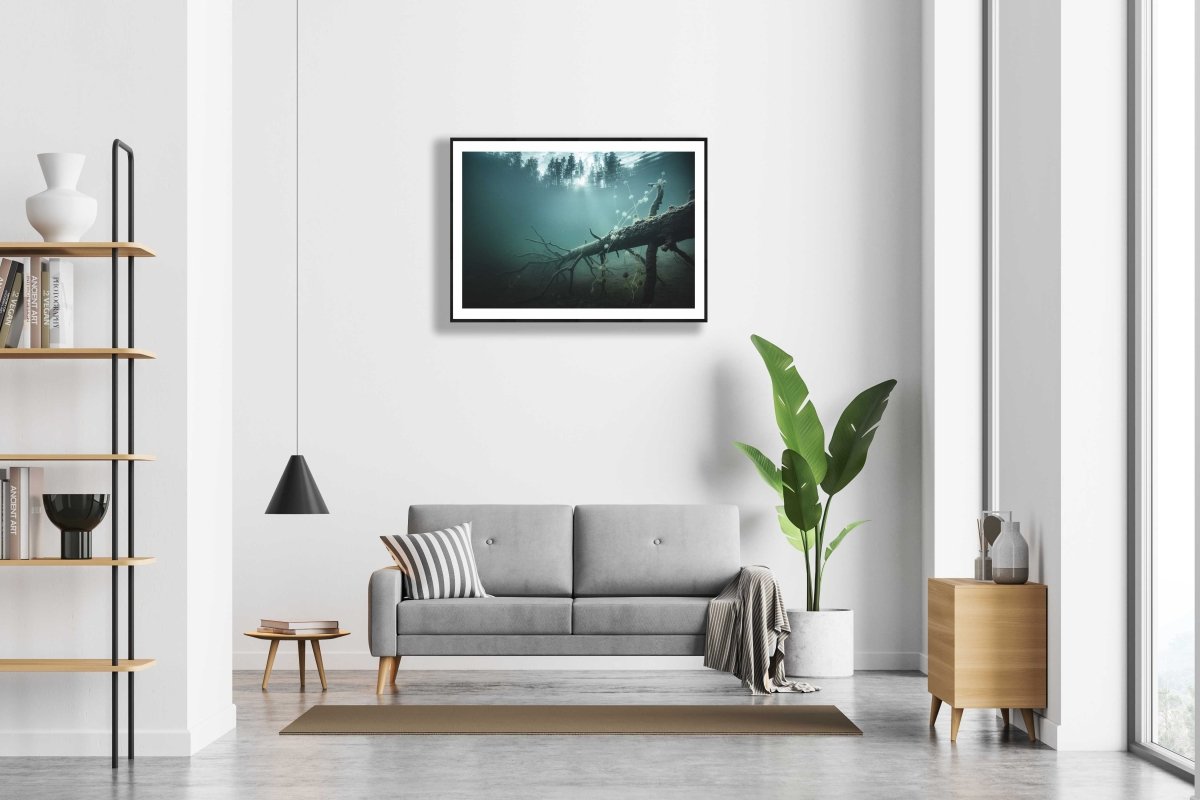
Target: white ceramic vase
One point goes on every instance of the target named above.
(1010, 555)
(61, 213)
(821, 644)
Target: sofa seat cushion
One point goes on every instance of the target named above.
(639, 616)
(505, 616)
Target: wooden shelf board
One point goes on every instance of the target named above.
(125, 561)
(75, 457)
(77, 353)
(74, 249)
(289, 636)
(74, 664)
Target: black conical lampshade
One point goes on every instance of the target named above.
(297, 492)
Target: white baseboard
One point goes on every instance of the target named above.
(1047, 729)
(888, 661)
(151, 743)
(93, 742)
(360, 660)
(213, 728)
(363, 660)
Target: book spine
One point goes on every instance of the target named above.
(44, 302)
(23, 519)
(31, 323)
(4, 490)
(37, 548)
(55, 271)
(66, 303)
(11, 274)
(12, 522)
(6, 265)
(10, 327)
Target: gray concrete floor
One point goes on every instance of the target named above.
(898, 756)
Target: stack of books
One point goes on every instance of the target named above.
(37, 302)
(21, 514)
(303, 628)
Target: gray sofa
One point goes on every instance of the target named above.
(589, 580)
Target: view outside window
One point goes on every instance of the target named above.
(1172, 379)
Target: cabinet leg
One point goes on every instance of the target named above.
(300, 650)
(1027, 715)
(385, 670)
(270, 663)
(1004, 713)
(320, 663)
(935, 705)
(955, 719)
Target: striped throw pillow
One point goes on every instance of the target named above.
(437, 565)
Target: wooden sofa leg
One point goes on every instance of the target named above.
(395, 669)
(387, 671)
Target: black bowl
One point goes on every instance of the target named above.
(75, 512)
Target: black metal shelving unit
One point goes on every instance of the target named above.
(116, 249)
(117, 148)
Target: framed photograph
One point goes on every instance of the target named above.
(601, 230)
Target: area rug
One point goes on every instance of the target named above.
(677, 720)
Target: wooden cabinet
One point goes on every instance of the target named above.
(987, 648)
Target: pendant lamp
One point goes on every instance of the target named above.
(297, 491)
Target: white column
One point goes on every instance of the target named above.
(952, 271)
(1093, 566)
(210, 712)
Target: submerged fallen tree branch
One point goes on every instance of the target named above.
(676, 224)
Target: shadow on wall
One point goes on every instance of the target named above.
(440, 312)
(722, 465)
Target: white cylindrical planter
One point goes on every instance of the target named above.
(821, 644)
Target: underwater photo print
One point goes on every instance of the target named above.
(579, 229)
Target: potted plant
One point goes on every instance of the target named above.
(822, 640)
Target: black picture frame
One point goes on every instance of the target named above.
(521, 313)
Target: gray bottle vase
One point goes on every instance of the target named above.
(1010, 555)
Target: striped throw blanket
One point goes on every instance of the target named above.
(747, 626)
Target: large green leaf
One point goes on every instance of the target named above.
(801, 540)
(766, 467)
(829, 548)
(795, 414)
(801, 502)
(853, 435)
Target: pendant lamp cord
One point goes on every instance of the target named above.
(297, 227)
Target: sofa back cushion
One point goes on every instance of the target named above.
(654, 550)
(520, 551)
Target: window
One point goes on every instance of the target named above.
(1164, 263)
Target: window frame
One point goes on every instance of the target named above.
(1141, 423)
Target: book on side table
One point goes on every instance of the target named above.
(297, 628)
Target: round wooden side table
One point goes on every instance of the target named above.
(299, 639)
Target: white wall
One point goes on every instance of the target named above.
(99, 71)
(1028, 392)
(813, 114)
(1061, 399)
